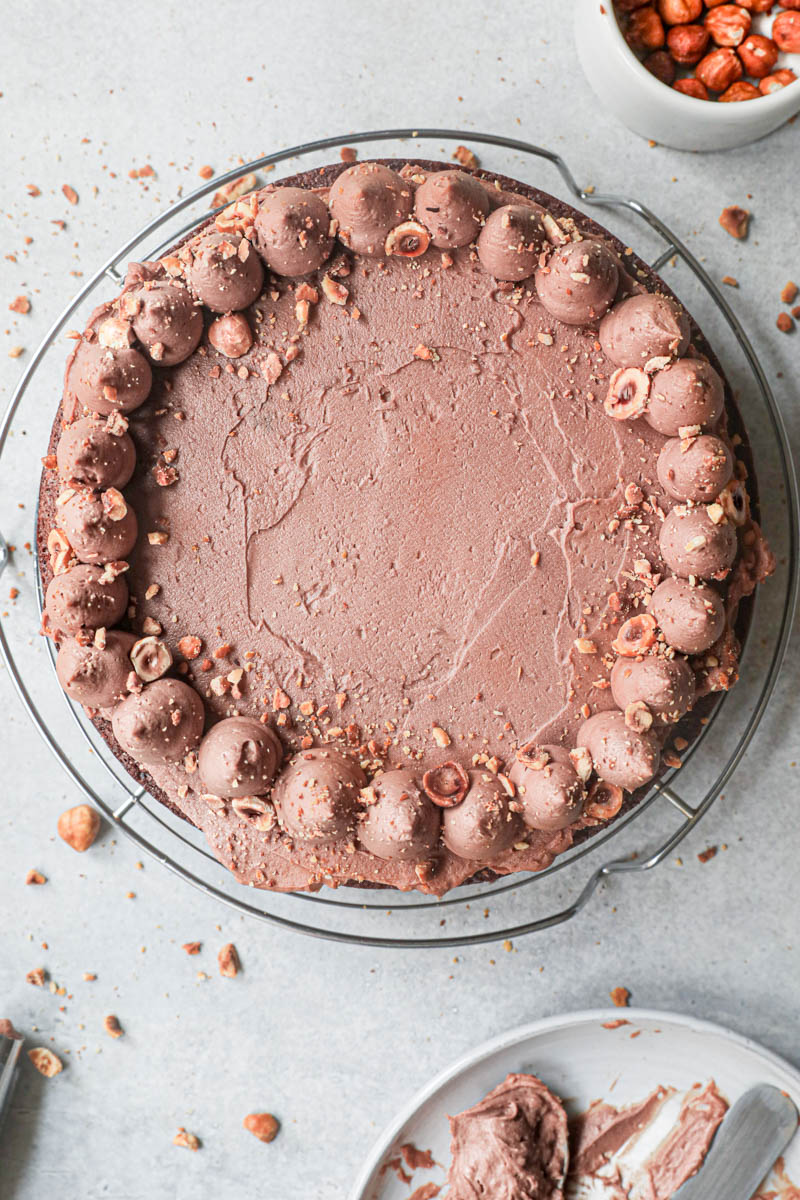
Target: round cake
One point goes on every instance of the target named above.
(395, 527)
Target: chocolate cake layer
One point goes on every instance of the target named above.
(403, 518)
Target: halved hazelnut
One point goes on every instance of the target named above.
(62, 556)
(636, 635)
(114, 505)
(734, 502)
(638, 716)
(151, 658)
(533, 755)
(605, 801)
(628, 392)
(446, 785)
(408, 240)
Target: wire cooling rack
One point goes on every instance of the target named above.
(481, 912)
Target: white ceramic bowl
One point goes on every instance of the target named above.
(655, 111)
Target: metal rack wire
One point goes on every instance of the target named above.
(354, 916)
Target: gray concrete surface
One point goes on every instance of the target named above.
(331, 1039)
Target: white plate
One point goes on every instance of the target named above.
(581, 1061)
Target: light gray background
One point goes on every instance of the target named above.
(331, 1039)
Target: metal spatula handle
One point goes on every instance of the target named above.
(753, 1135)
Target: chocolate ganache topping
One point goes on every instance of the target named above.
(414, 498)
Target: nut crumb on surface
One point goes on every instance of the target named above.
(262, 1125)
(620, 997)
(46, 1062)
(466, 157)
(785, 323)
(228, 959)
(187, 1140)
(192, 947)
(112, 1026)
(789, 292)
(35, 877)
(735, 220)
(706, 855)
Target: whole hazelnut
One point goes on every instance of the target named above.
(660, 64)
(743, 90)
(795, 4)
(776, 81)
(680, 12)
(262, 1125)
(719, 69)
(688, 43)
(786, 32)
(645, 30)
(758, 54)
(692, 87)
(230, 335)
(766, 6)
(729, 24)
(79, 826)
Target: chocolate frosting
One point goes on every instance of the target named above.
(511, 1145)
(695, 468)
(512, 241)
(167, 322)
(453, 206)
(685, 394)
(225, 272)
(161, 723)
(93, 534)
(644, 328)
(105, 379)
(692, 616)
(367, 201)
(551, 794)
(292, 231)
(579, 282)
(693, 544)
(621, 756)
(96, 672)
(317, 797)
(77, 599)
(665, 685)
(399, 821)
(239, 756)
(90, 454)
(484, 824)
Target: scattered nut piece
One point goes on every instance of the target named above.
(35, 877)
(440, 736)
(465, 156)
(37, 977)
(79, 826)
(785, 323)
(46, 1062)
(706, 855)
(192, 947)
(112, 1026)
(188, 1140)
(735, 220)
(620, 997)
(228, 959)
(789, 293)
(262, 1125)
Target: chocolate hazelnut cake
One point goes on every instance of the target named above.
(392, 525)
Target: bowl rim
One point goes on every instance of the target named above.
(665, 93)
